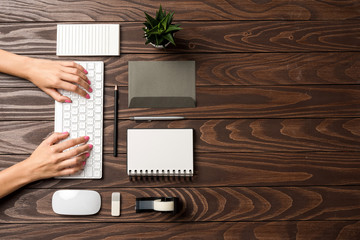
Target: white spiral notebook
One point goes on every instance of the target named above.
(160, 152)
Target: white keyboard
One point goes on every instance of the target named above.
(84, 117)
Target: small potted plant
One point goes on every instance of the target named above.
(159, 31)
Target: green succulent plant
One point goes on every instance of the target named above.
(160, 30)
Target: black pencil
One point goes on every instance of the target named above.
(115, 120)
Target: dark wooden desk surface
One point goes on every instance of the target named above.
(277, 137)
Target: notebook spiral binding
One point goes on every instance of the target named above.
(157, 173)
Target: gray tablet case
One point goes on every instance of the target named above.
(161, 84)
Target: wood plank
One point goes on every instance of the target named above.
(247, 135)
(112, 10)
(244, 69)
(212, 37)
(227, 169)
(212, 103)
(199, 205)
(212, 230)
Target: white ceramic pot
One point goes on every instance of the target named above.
(159, 46)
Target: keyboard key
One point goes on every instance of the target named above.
(88, 171)
(97, 173)
(98, 101)
(90, 66)
(98, 77)
(66, 123)
(98, 109)
(97, 125)
(97, 165)
(98, 67)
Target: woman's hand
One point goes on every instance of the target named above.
(50, 158)
(47, 75)
(52, 75)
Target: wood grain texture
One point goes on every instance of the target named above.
(211, 102)
(232, 169)
(248, 135)
(112, 10)
(302, 230)
(199, 205)
(244, 69)
(205, 37)
(276, 127)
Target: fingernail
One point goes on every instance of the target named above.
(86, 72)
(64, 132)
(86, 138)
(89, 81)
(83, 163)
(90, 146)
(87, 155)
(87, 96)
(68, 101)
(90, 89)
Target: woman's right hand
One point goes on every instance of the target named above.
(50, 158)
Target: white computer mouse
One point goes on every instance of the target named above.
(76, 202)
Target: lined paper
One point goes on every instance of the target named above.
(88, 40)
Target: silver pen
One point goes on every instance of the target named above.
(154, 118)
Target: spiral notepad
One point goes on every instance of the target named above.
(160, 152)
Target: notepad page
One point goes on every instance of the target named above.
(163, 151)
(88, 40)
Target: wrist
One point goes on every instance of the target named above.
(27, 171)
(27, 68)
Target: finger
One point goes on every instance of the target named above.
(73, 78)
(56, 137)
(74, 65)
(71, 143)
(73, 88)
(76, 151)
(57, 96)
(73, 162)
(71, 170)
(76, 72)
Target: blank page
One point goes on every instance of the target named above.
(160, 152)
